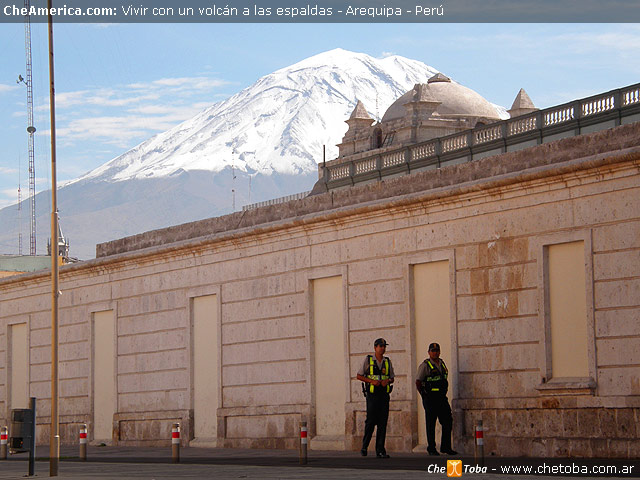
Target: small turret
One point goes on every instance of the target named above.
(359, 117)
(522, 105)
(359, 123)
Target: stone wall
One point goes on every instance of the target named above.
(495, 171)
(490, 218)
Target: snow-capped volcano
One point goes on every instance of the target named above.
(277, 125)
(262, 143)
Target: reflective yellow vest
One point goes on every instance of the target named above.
(435, 381)
(376, 374)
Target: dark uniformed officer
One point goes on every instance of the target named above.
(432, 383)
(377, 374)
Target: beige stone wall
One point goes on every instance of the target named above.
(492, 235)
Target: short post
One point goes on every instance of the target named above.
(83, 442)
(479, 445)
(175, 443)
(32, 445)
(4, 438)
(303, 443)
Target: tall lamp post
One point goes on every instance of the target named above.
(54, 439)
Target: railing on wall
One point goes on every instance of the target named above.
(275, 201)
(574, 118)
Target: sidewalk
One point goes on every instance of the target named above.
(119, 463)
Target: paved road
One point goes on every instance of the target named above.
(152, 471)
(119, 463)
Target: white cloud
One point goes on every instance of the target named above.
(172, 82)
(102, 97)
(180, 84)
(121, 130)
(7, 170)
(529, 43)
(152, 109)
(69, 98)
(627, 40)
(164, 90)
(387, 54)
(6, 88)
(175, 111)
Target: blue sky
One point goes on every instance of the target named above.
(119, 84)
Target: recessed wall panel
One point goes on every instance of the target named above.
(330, 368)
(432, 322)
(205, 367)
(104, 385)
(567, 310)
(19, 366)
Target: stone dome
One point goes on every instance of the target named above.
(455, 100)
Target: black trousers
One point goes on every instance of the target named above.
(377, 416)
(436, 407)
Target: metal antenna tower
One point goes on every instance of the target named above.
(30, 128)
(19, 209)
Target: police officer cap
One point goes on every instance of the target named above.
(434, 346)
(380, 341)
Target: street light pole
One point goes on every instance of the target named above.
(54, 439)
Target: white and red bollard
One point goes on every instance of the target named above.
(4, 439)
(82, 437)
(175, 443)
(303, 443)
(479, 450)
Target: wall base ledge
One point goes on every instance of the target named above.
(328, 442)
(204, 443)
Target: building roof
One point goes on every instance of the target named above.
(455, 100)
(24, 263)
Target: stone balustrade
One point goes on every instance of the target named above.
(586, 115)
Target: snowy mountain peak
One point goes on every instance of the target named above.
(277, 125)
(271, 132)
(335, 57)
